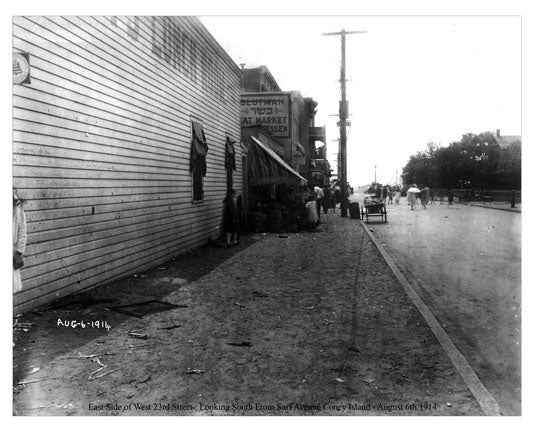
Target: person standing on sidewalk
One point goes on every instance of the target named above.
(311, 213)
(326, 199)
(230, 219)
(318, 196)
(332, 198)
(19, 240)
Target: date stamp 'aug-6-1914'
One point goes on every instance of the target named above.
(83, 324)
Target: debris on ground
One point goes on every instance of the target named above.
(22, 326)
(194, 371)
(171, 327)
(137, 335)
(341, 380)
(239, 344)
(97, 361)
(35, 369)
(94, 375)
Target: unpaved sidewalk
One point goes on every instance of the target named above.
(294, 324)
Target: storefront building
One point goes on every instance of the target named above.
(289, 118)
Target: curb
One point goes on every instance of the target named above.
(491, 208)
(486, 401)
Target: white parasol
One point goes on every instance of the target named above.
(413, 190)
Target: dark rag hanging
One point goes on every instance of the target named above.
(229, 156)
(199, 149)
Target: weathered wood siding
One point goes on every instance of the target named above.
(102, 147)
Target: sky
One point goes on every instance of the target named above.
(411, 79)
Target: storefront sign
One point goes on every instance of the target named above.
(271, 110)
(21, 68)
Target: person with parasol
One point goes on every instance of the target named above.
(412, 195)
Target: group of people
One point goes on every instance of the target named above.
(426, 195)
(389, 194)
(327, 197)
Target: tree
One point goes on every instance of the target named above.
(421, 168)
(476, 161)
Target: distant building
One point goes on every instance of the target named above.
(506, 140)
(257, 80)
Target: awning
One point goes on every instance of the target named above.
(268, 168)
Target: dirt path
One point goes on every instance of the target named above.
(307, 324)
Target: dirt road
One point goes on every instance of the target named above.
(465, 262)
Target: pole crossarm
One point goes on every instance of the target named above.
(343, 32)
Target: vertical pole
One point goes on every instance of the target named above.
(342, 130)
(343, 114)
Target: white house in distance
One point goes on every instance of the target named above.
(125, 141)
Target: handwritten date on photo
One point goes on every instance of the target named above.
(83, 324)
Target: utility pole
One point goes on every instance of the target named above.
(375, 175)
(343, 114)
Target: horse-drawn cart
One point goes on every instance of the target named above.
(374, 208)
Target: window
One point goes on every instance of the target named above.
(199, 149)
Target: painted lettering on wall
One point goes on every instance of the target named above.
(176, 47)
(268, 110)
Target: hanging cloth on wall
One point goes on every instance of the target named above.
(229, 159)
(199, 149)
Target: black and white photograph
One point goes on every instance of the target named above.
(267, 214)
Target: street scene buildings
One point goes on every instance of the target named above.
(181, 242)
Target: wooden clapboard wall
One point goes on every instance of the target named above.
(101, 146)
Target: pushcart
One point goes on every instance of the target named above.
(375, 209)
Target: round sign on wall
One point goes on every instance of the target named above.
(21, 68)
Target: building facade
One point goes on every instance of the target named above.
(290, 119)
(124, 144)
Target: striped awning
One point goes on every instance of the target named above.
(268, 168)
